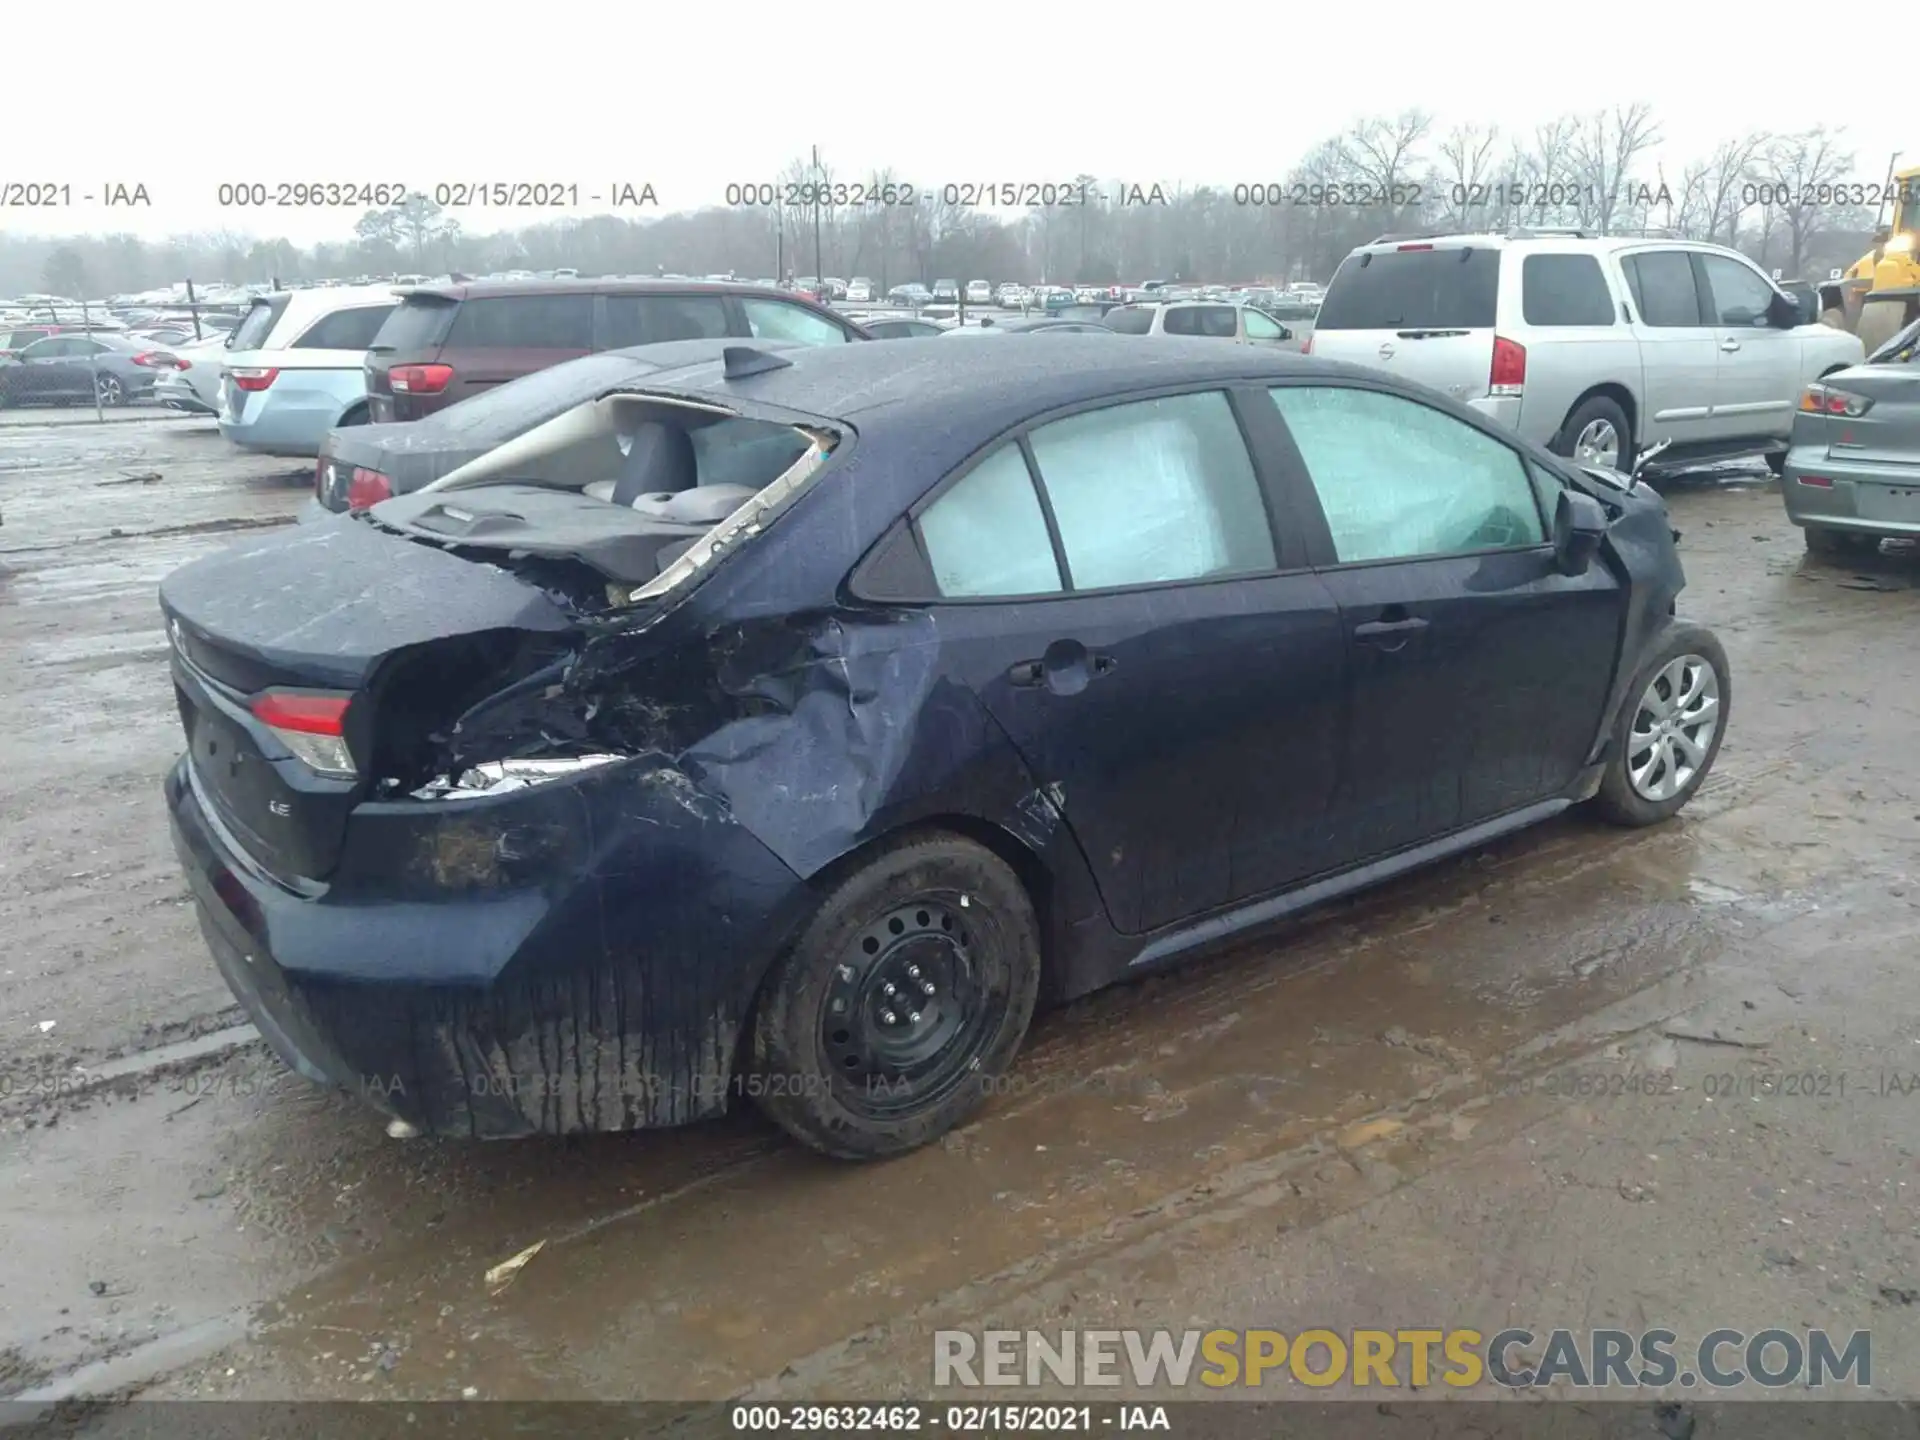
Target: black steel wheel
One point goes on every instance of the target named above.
(902, 1005)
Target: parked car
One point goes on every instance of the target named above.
(361, 465)
(860, 291)
(1218, 321)
(191, 383)
(447, 342)
(19, 337)
(1852, 476)
(979, 292)
(946, 291)
(1032, 327)
(901, 327)
(494, 791)
(296, 367)
(1597, 347)
(67, 368)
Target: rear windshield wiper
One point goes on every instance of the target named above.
(1427, 334)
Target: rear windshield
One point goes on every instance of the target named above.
(251, 333)
(1453, 289)
(1130, 321)
(418, 323)
(507, 410)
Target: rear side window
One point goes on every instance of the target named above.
(776, 320)
(1457, 288)
(987, 534)
(345, 329)
(1132, 320)
(1214, 320)
(1154, 491)
(1564, 290)
(251, 333)
(524, 322)
(1663, 289)
(417, 325)
(653, 319)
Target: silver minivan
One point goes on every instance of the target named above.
(1596, 347)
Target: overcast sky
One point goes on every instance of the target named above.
(689, 97)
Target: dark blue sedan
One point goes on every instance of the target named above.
(790, 725)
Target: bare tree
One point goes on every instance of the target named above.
(1804, 170)
(1547, 164)
(1606, 149)
(1382, 152)
(1466, 178)
(1729, 177)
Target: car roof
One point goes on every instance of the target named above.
(477, 289)
(967, 389)
(1559, 241)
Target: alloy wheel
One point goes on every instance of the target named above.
(109, 390)
(1673, 728)
(1598, 444)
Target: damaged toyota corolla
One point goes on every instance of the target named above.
(789, 726)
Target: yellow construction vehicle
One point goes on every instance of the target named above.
(1879, 295)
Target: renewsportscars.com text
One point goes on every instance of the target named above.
(1402, 1358)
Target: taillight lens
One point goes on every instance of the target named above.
(1306, 346)
(367, 487)
(1508, 375)
(253, 381)
(1818, 482)
(420, 379)
(312, 726)
(1825, 400)
(154, 360)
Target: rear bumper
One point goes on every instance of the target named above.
(453, 982)
(1864, 498)
(293, 415)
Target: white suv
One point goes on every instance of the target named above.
(1596, 347)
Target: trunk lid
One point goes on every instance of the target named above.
(1889, 432)
(1424, 311)
(406, 633)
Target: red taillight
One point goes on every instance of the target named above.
(253, 380)
(1508, 375)
(367, 487)
(420, 379)
(1823, 400)
(1818, 482)
(1413, 247)
(180, 364)
(154, 360)
(312, 727)
(308, 714)
(1306, 346)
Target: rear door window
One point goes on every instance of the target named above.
(345, 329)
(655, 319)
(1457, 288)
(524, 322)
(251, 333)
(1661, 282)
(1154, 491)
(987, 535)
(1564, 290)
(1132, 320)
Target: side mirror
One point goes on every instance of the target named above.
(1784, 310)
(1285, 333)
(1579, 525)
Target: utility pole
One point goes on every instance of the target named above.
(819, 266)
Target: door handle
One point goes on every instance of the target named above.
(1066, 668)
(1389, 630)
(1027, 673)
(1729, 346)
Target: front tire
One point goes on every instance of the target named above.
(1669, 729)
(903, 1002)
(1597, 433)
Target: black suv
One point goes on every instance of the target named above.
(444, 343)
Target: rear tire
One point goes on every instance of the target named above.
(110, 391)
(1662, 746)
(1589, 426)
(903, 1002)
(1824, 544)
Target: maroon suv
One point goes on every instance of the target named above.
(444, 343)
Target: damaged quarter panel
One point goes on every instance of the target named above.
(1640, 548)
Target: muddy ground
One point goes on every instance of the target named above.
(1351, 1123)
